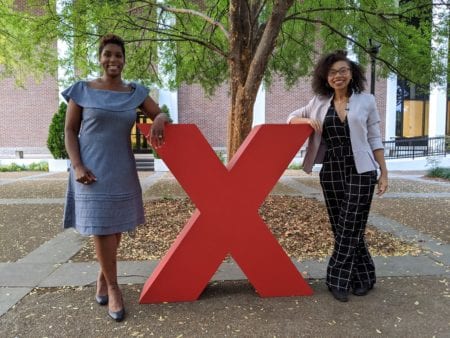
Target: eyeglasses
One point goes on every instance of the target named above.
(342, 71)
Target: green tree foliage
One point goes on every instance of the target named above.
(55, 140)
(25, 48)
(243, 42)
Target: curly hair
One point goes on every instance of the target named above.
(320, 84)
(111, 38)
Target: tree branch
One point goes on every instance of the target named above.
(362, 47)
(266, 44)
(188, 12)
(385, 15)
(176, 36)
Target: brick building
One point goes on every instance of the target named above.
(27, 112)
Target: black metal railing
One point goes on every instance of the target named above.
(412, 147)
(138, 141)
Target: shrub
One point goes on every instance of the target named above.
(295, 166)
(55, 140)
(439, 172)
(221, 155)
(166, 111)
(41, 166)
(12, 167)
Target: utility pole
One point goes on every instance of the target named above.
(373, 52)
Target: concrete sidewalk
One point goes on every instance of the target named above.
(45, 294)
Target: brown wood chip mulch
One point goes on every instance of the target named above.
(300, 225)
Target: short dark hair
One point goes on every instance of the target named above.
(111, 38)
(320, 84)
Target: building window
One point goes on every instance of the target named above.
(413, 107)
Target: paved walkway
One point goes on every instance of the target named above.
(49, 267)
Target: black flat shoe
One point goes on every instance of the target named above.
(101, 300)
(118, 316)
(340, 295)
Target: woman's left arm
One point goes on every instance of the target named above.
(375, 141)
(152, 110)
(383, 179)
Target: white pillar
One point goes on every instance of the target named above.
(438, 91)
(166, 96)
(62, 47)
(170, 99)
(391, 107)
(259, 109)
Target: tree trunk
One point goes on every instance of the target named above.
(251, 45)
(240, 119)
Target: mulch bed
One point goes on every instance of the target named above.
(300, 225)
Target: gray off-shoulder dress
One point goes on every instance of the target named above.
(113, 204)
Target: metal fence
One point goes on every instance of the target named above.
(412, 147)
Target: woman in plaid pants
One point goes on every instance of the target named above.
(347, 141)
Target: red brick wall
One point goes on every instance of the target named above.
(26, 113)
(280, 102)
(209, 114)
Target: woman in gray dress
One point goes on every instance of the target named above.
(104, 197)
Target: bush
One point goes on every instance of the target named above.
(164, 110)
(41, 166)
(221, 155)
(439, 172)
(295, 166)
(12, 167)
(55, 140)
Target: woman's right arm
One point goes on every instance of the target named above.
(315, 124)
(71, 130)
(301, 116)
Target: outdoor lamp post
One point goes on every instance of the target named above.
(373, 52)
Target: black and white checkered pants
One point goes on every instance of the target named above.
(348, 196)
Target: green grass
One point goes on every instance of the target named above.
(41, 166)
(439, 172)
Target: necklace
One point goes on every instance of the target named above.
(341, 108)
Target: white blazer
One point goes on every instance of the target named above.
(364, 124)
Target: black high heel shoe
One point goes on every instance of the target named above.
(101, 300)
(118, 316)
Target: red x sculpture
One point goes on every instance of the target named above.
(226, 220)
